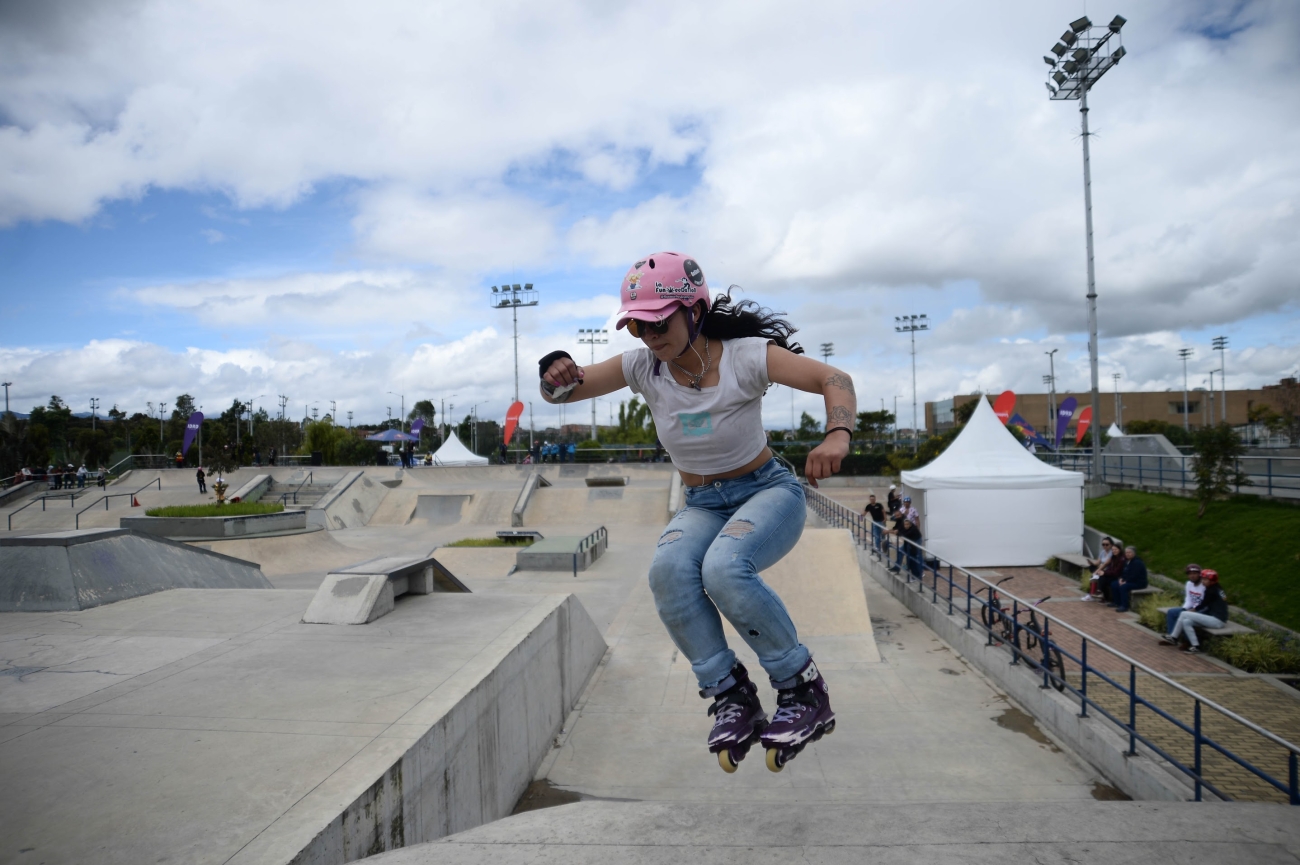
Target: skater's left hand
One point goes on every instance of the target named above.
(824, 460)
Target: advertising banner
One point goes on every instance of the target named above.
(1064, 414)
(417, 426)
(1027, 429)
(1085, 420)
(191, 431)
(512, 419)
(1005, 405)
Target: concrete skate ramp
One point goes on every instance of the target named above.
(441, 510)
(290, 554)
(821, 585)
(82, 569)
(644, 504)
(1082, 832)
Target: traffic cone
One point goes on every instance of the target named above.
(134, 502)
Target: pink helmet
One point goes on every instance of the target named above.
(657, 284)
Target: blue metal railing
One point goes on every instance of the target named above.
(1265, 475)
(957, 583)
(105, 499)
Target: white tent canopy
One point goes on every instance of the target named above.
(453, 453)
(987, 501)
(1114, 431)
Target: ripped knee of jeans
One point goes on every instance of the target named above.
(737, 528)
(670, 536)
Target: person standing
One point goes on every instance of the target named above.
(81, 476)
(103, 476)
(875, 512)
(202, 479)
(892, 501)
(1212, 612)
(1193, 594)
(1134, 576)
(271, 461)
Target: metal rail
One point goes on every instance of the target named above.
(108, 496)
(594, 539)
(1265, 475)
(284, 497)
(71, 497)
(971, 586)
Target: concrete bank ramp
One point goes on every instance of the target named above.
(350, 503)
(645, 503)
(78, 570)
(290, 554)
(1085, 833)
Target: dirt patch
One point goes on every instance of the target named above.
(1018, 722)
(544, 794)
(1103, 792)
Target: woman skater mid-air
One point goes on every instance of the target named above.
(703, 371)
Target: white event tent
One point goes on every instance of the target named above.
(453, 453)
(986, 501)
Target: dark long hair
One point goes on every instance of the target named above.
(728, 319)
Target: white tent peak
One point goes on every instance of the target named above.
(985, 455)
(453, 453)
(1114, 431)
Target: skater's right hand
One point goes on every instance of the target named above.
(563, 371)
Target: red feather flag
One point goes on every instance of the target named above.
(512, 419)
(1081, 424)
(1005, 405)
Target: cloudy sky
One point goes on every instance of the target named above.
(312, 199)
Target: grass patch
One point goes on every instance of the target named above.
(1148, 612)
(234, 509)
(1253, 543)
(490, 542)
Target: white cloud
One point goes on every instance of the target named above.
(211, 235)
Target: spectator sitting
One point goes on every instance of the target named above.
(1107, 551)
(1193, 593)
(1134, 576)
(1212, 612)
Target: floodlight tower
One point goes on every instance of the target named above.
(1185, 353)
(593, 337)
(1220, 344)
(513, 297)
(828, 350)
(910, 324)
(94, 407)
(1078, 61)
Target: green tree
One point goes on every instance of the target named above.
(1214, 464)
(635, 424)
(324, 436)
(94, 447)
(875, 425)
(809, 428)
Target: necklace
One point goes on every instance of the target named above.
(696, 379)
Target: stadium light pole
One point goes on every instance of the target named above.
(1051, 410)
(1221, 345)
(7, 385)
(1185, 353)
(513, 297)
(1078, 61)
(593, 337)
(401, 421)
(828, 350)
(1212, 373)
(94, 407)
(1119, 406)
(1051, 381)
(910, 324)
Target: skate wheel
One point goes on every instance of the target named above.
(830, 728)
(724, 760)
(774, 761)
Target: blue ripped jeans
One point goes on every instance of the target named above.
(706, 566)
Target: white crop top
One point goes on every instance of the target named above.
(716, 429)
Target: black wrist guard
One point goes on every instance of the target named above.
(545, 363)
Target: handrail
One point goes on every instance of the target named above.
(284, 497)
(71, 497)
(827, 507)
(108, 496)
(128, 458)
(592, 539)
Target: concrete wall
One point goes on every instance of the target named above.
(1094, 740)
(491, 725)
(350, 503)
(216, 527)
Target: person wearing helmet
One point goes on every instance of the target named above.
(703, 367)
(1193, 592)
(1211, 612)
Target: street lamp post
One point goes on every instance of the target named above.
(1185, 353)
(1078, 61)
(1119, 404)
(1212, 372)
(593, 338)
(513, 297)
(7, 385)
(910, 324)
(401, 421)
(1220, 344)
(1051, 388)
(162, 445)
(94, 407)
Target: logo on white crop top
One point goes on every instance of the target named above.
(698, 424)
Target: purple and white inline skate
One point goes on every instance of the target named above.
(803, 715)
(739, 718)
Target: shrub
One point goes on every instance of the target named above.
(233, 509)
(489, 542)
(1255, 653)
(1148, 612)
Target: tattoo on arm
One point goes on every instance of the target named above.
(839, 416)
(841, 381)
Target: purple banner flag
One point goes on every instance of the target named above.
(191, 430)
(417, 426)
(1064, 414)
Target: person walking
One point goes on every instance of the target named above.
(202, 479)
(103, 476)
(703, 368)
(875, 512)
(1193, 593)
(1134, 576)
(1212, 612)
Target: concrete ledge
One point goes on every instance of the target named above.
(1095, 741)
(560, 553)
(20, 491)
(253, 490)
(216, 527)
(361, 593)
(532, 482)
(460, 758)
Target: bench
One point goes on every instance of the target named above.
(1229, 629)
(1072, 565)
(361, 593)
